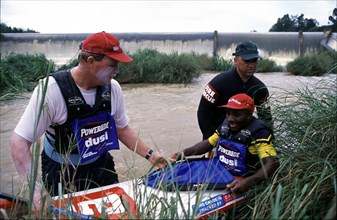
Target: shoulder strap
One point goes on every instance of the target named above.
(76, 105)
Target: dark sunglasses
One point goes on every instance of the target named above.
(251, 60)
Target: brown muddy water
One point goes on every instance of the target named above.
(164, 115)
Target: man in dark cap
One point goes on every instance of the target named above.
(240, 79)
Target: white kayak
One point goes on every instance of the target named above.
(133, 199)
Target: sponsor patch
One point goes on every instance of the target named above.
(210, 205)
(210, 94)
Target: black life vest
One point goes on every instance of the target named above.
(246, 137)
(77, 108)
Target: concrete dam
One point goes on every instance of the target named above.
(281, 47)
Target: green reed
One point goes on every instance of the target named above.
(304, 187)
(20, 73)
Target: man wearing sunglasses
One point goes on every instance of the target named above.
(240, 79)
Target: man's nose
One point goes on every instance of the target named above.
(229, 117)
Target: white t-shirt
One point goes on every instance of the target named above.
(55, 109)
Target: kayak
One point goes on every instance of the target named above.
(186, 190)
(133, 198)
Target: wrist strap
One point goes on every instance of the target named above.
(148, 155)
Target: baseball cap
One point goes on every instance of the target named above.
(107, 44)
(247, 50)
(240, 101)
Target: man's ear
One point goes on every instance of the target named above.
(249, 114)
(90, 60)
(236, 59)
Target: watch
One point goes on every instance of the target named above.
(148, 155)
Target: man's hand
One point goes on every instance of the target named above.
(240, 185)
(158, 159)
(40, 198)
(174, 157)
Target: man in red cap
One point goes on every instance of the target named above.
(82, 115)
(243, 145)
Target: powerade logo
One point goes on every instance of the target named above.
(92, 134)
(94, 130)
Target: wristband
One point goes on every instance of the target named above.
(148, 155)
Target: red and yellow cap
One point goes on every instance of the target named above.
(240, 101)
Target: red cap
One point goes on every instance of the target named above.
(107, 44)
(240, 101)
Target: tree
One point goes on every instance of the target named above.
(8, 29)
(333, 19)
(294, 23)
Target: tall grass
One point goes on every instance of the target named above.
(150, 66)
(20, 73)
(306, 130)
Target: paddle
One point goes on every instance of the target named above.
(11, 198)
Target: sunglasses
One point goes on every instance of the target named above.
(251, 60)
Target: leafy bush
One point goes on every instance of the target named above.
(150, 66)
(315, 64)
(268, 65)
(20, 72)
(220, 64)
(205, 62)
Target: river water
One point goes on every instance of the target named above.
(164, 115)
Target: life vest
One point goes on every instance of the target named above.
(232, 148)
(77, 108)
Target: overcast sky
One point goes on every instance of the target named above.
(61, 16)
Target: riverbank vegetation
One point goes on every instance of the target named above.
(19, 73)
(314, 64)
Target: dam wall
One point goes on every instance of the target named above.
(61, 48)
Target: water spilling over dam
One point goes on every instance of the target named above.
(279, 46)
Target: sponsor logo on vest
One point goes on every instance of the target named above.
(228, 161)
(95, 130)
(106, 96)
(228, 152)
(89, 154)
(95, 141)
(76, 100)
(85, 132)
